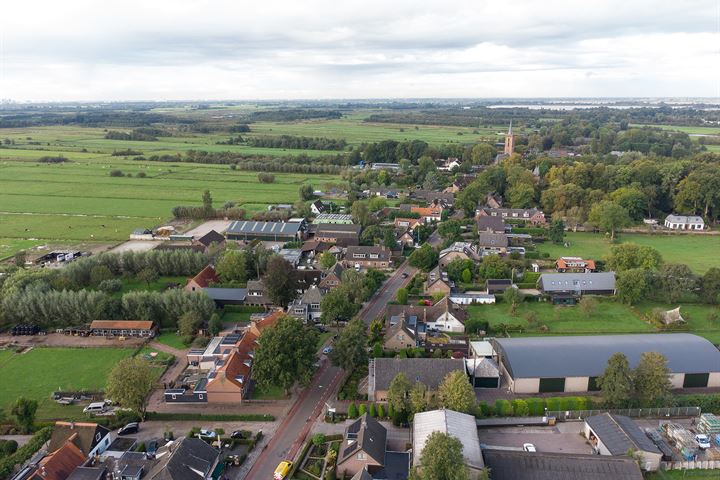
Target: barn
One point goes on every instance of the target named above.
(572, 364)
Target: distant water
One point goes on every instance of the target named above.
(581, 106)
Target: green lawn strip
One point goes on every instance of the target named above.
(322, 338)
(171, 339)
(699, 252)
(271, 393)
(683, 474)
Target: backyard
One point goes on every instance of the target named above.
(699, 252)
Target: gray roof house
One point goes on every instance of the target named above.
(596, 283)
(363, 447)
(572, 363)
(307, 307)
(489, 242)
(185, 459)
(684, 222)
(616, 434)
(430, 371)
(519, 465)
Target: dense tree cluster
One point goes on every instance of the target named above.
(295, 142)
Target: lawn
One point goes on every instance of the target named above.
(699, 252)
(683, 474)
(236, 317)
(610, 318)
(40, 371)
(272, 393)
(171, 339)
(8, 246)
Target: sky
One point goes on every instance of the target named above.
(77, 50)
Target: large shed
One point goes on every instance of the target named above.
(459, 425)
(572, 364)
(270, 231)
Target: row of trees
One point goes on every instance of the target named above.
(295, 142)
(647, 385)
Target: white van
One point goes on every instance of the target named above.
(95, 407)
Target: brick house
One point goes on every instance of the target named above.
(204, 279)
(363, 447)
(532, 215)
(367, 257)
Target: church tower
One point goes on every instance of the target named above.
(509, 141)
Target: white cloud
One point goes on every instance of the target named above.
(215, 49)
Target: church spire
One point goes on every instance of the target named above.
(510, 129)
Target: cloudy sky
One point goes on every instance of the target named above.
(238, 49)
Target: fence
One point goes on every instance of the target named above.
(698, 464)
(628, 412)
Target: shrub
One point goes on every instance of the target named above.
(536, 406)
(25, 452)
(520, 408)
(116, 173)
(318, 439)
(503, 408)
(141, 175)
(553, 404)
(380, 411)
(363, 409)
(7, 448)
(372, 411)
(482, 409)
(352, 411)
(110, 286)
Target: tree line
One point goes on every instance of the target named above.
(295, 142)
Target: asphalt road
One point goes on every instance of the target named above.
(291, 433)
(388, 291)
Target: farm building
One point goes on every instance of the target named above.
(459, 425)
(565, 287)
(572, 364)
(519, 465)
(122, 328)
(203, 279)
(226, 296)
(333, 218)
(269, 231)
(209, 238)
(684, 222)
(614, 435)
(342, 234)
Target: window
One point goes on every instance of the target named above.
(174, 397)
(695, 380)
(361, 456)
(358, 255)
(315, 306)
(97, 437)
(373, 255)
(299, 311)
(200, 396)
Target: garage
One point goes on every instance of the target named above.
(552, 385)
(696, 380)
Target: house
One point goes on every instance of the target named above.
(574, 265)
(123, 328)
(256, 294)
(89, 473)
(332, 218)
(430, 371)
(456, 424)
(363, 447)
(563, 286)
(438, 282)
(60, 462)
(444, 316)
(472, 298)
(462, 250)
(407, 223)
(399, 337)
(212, 237)
(493, 201)
(317, 207)
(218, 348)
(342, 234)
(367, 257)
(332, 278)
(226, 296)
(497, 285)
(460, 183)
(90, 438)
(684, 222)
(306, 278)
(492, 243)
(313, 248)
(185, 459)
(433, 197)
(206, 277)
(430, 214)
(267, 231)
(404, 237)
(531, 215)
(307, 307)
(520, 465)
(449, 164)
(572, 364)
(491, 224)
(616, 435)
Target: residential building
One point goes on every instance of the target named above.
(433, 197)
(574, 265)
(338, 233)
(123, 328)
(456, 424)
(438, 282)
(89, 473)
(59, 463)
(493, 200)
(684, 222)
(90, 438)
(367, 257)
(492, 243)
(363, 447)
(472, 298)
(317, 207)
(520, 465)
(210, 238)
(218, 348)
(444, 316)
(256, 294)
(268, 231)
(460, 183)
(399, 336)
(462, 250)
(404, 237)
(226, 296)
(307, 307)
(432, 213)
(616, 435)
(532, 215)
(497, 285)
(185, 459)
(407, 223)
(206, 277)
(332, 278)
(572, 364)
(306, 279)
(491, 224)
(430, 371)
(332, 218)
(564, 286)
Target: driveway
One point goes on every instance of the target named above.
(135, 246)
(562, 438)
(218, 225)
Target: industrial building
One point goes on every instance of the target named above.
(269, 231)
(572, 364)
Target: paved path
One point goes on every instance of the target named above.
(291, 433)
(168, 349)
(20, 439)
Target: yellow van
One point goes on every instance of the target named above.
(282, 470)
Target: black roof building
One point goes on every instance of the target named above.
(620, 434)
(211, 237)
(271, 231)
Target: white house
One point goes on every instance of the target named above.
(684, 222)
(469, 298)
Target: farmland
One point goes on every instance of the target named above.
(699, 252)
(61, 368)
(610, 317)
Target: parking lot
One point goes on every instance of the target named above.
(562, 438)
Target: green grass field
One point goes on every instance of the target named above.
(40, 371)
(683, 474)
(609, 318)
(699, 252)
(687, 129)
(171, 339)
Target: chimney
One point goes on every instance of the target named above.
(72, 425)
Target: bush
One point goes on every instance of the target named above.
(110, 286)
(363, 409)
(372, 411)
(141, 175)
(25, 452)
(7, 448)
(536, 406)
(520, 408)
(116, 173)
(503, 408)
(318, 439)
(554, 404)
(381, 411)
(352, 411)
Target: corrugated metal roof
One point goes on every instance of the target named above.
(587, 356)
(459, 425)
(620, 434)
(264, 228)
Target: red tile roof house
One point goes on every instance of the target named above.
(574, 264)
(204, 279)
(59, 464)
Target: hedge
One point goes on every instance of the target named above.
(25, 452)
(534, 407)
(212, 417)
(534, 231)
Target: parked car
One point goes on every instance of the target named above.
(703, 441)
(240, 434)
(282, 470)
(404, 275)
(529, 447)
(95, 407)
(131, 427)
(327, 350)
(151, 449)
(207, 433)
